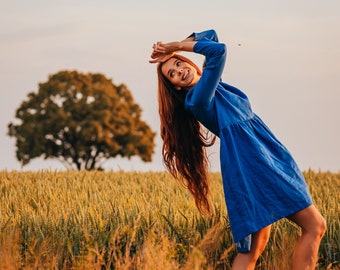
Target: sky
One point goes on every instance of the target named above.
(285, 55)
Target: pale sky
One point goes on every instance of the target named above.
(288, 62)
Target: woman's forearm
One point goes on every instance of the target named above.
(171, 47)
(163, 51)
(186, 45)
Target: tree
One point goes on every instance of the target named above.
(81, 120)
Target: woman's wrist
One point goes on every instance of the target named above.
(186, 45)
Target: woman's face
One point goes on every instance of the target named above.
(180, 73)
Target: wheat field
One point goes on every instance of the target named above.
(137, 220)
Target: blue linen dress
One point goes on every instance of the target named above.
(261, 180)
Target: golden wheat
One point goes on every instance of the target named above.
(136, 220)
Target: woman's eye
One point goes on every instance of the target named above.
(172, 74)
(178, 63)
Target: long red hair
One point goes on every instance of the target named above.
(184, 140)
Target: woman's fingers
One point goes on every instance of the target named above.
(160, 58)
(153, 61)
(159, 47)
(160, 53)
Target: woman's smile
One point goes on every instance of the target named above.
(186, 74)
(180, 73)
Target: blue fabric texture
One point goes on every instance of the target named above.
(262, 183)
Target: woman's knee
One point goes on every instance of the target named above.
(317, 225)
(321, 227)
(311, 221)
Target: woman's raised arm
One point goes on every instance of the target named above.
(164, 51)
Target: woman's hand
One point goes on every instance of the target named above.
(157, 57)
(167, 48)
(163, 51)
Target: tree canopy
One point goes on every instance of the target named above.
(81, 120)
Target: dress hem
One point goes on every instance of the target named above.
(273, 221)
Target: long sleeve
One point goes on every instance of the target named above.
(215, 53)
(207, 34)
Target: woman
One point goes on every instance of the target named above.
(261, 181)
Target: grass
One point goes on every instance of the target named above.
(135, 220)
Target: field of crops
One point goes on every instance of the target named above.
(137, 220)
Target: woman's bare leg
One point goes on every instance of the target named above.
(247, 261)
(313, 227)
